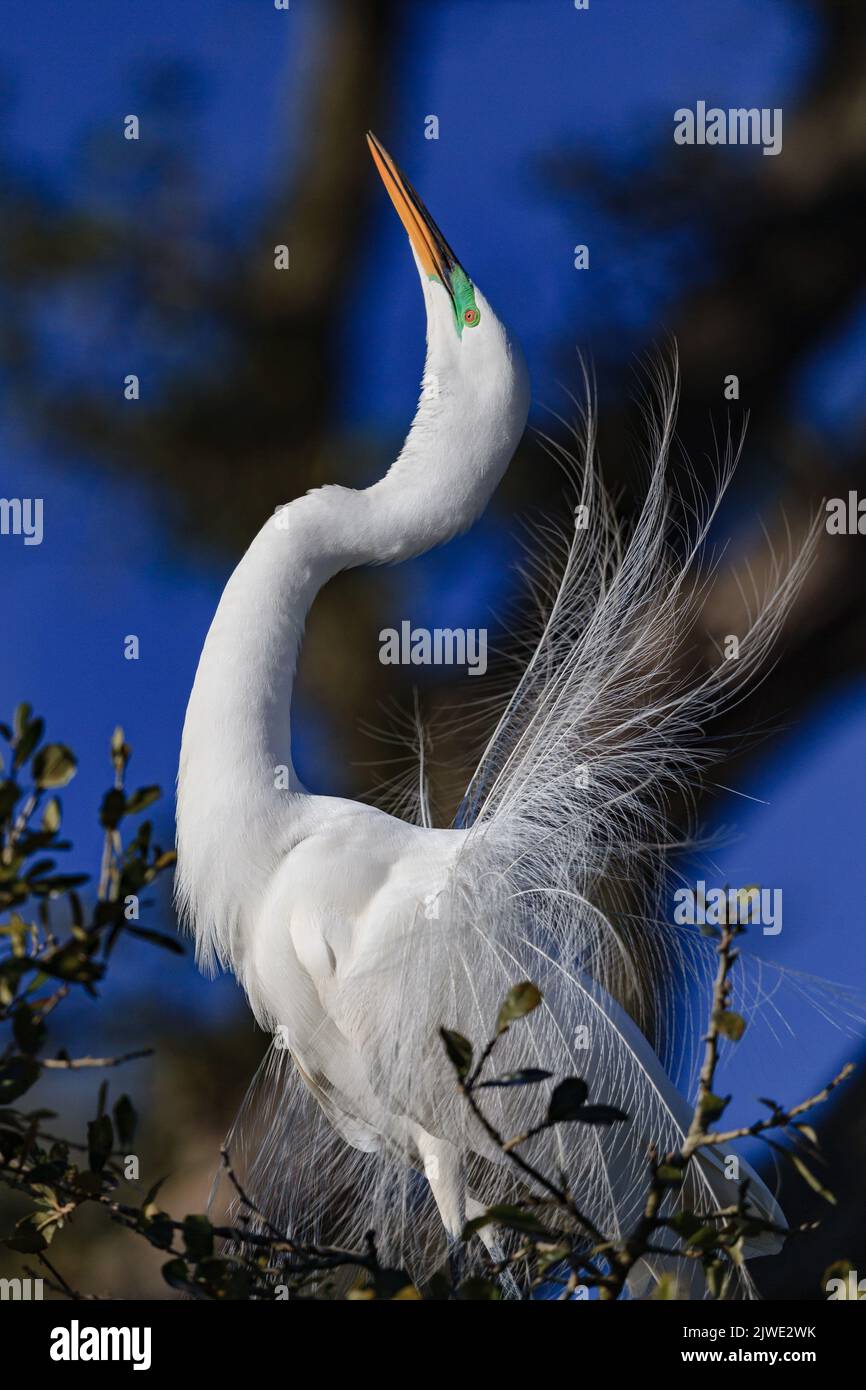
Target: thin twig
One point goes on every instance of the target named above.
(76, 1063)
(779, 1119)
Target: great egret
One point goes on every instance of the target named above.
(357, 934)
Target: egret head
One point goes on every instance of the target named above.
(461, 326)
(475, 390)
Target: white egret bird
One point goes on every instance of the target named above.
(356, 934)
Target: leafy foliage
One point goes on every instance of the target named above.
(51, 945)
(560, 1249)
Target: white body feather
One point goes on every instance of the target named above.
(322, 906)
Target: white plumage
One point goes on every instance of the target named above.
(357, 934)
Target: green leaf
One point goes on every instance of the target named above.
(479, 1291)
(439, 1286)
(529, 1076)
(100, 1142)
(815, 1183)
(149, 1208)
(89, 1183)
(393, 1284)
(159, 1230)
(362, 1291)
(770, 1104)
(714, 1275)
(51, 816)
(198, 1237)
(600, 1115)
(459, 1051)
(9, 794)
(176, 1275)
(125, 1120)
(40, 868)
(18, 931)
(704, 1238)
(731, 1026)
(842, 1269)
(222, 1280)
(685, 1223)
(28, 1029)
(54, 766)
(72, 962)
(57, 883)
(16, 1077)
(713, 1106)
(21, 719)
(567, 1100)
(27, 741)
(520, 1000)
(667, 1172)
(145, 796)
(156, 938)
(514, 1218)
(26, 1240)
(667, 1289)
(550, 1255)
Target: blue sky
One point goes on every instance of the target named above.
(510, 83)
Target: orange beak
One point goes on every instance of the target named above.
(431, 248)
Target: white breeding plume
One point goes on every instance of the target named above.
(358, 934)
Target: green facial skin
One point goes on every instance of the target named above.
(466, 311)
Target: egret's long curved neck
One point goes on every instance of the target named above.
(240, 806)
(241, 699)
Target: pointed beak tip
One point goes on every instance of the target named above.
(427, 241)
